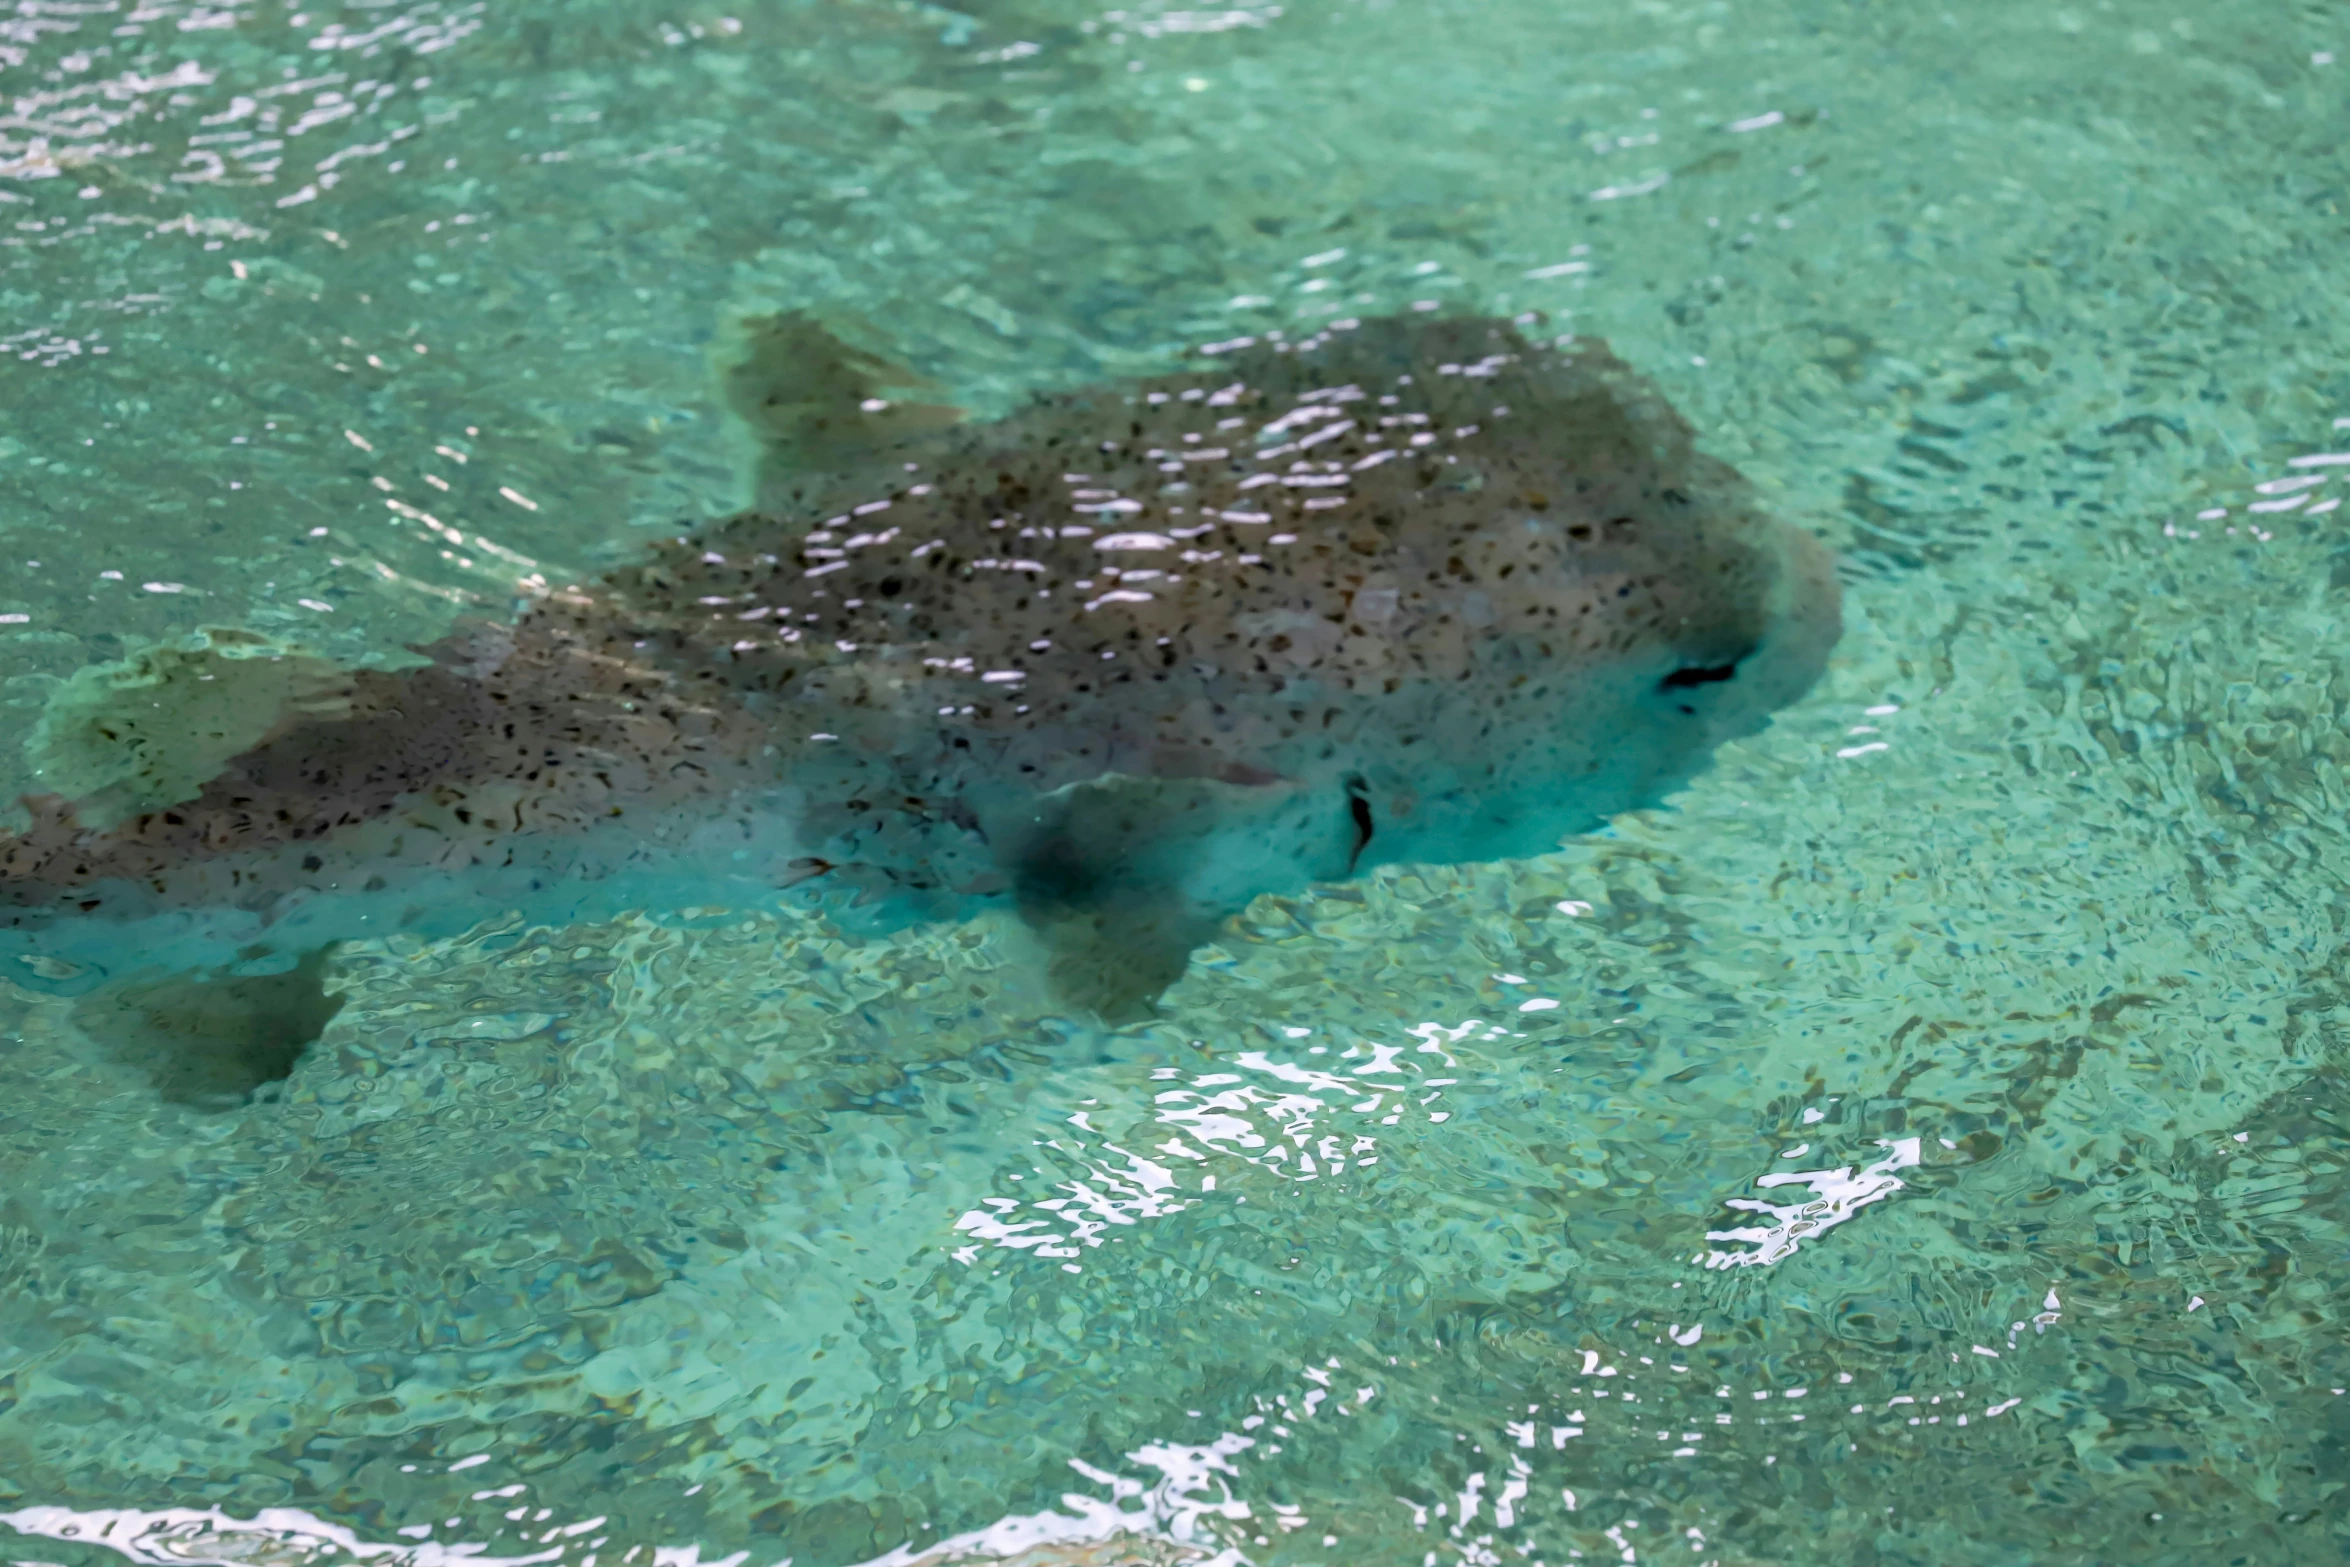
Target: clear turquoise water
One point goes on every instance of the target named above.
(2018, 944)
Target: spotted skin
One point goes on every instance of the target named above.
(1412, 589)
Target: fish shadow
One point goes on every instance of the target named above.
(211, 1041)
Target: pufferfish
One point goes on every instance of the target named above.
(1416, 589)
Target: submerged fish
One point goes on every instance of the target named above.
(1409, 590)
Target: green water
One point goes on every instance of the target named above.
(1406, 1234)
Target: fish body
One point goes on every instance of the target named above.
(1412, 590)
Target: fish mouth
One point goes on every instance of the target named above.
(1689, 675)
(1683, 684)
(1755, 675)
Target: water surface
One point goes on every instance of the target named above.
(1921, 1141)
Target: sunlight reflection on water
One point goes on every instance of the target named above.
(1922, 1143)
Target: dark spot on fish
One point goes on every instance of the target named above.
(1358, 806)
(801, 870)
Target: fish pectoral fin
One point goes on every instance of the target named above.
(1124, 876)
(1116, 957)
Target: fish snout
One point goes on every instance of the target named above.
(1736, 680)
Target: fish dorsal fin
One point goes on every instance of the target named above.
(812, 401)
